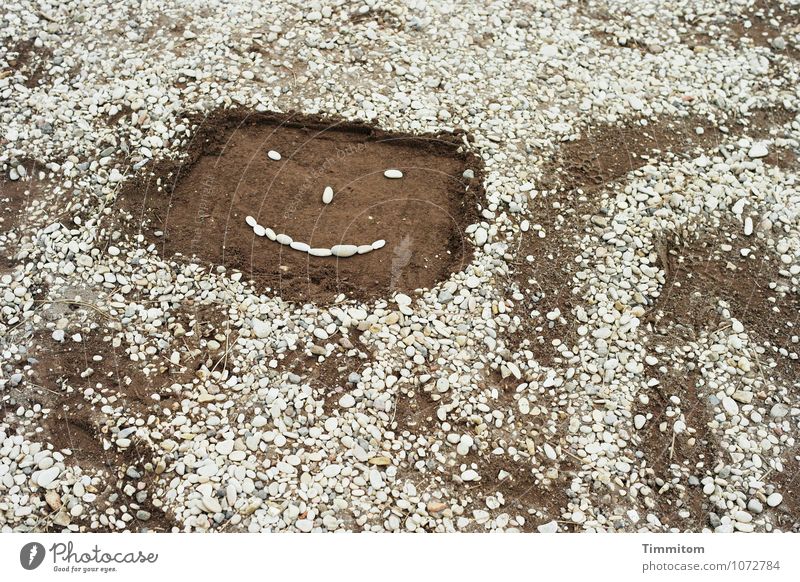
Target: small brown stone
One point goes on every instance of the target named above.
(436, 507)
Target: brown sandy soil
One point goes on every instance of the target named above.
(32, 62)
(702, 277)
(16, 196)
(201, 205)
(528, 482)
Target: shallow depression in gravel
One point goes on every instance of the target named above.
(198, 209)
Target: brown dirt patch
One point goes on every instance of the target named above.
(15, 197)
(67, 379)
(536, 489)
(380, 16)
(608, 152)
(567, 209)
(784, 158)
(700, 275)
(763, 121)
(32, 62)
(201, 204)
(76, 422)
(758, 25)
(328, 378)
(703, 281)
(669, 456)
(787, 515)
(93, 363)
(122, 115)
(546, 280)
(768, 20)
(80, 428)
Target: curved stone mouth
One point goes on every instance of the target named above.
(321, 190)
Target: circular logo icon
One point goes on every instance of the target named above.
(31, 555)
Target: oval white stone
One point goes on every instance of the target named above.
(251, 222)
(300, 246)
(378, 244)
(320, 252)
(775, 499)
(393, 174)
(327, 195)
(46, 477)
(759, 150)
(284, 239)
(273, 155)
(259, 230)
(344, 250)
(270, 234)
(364, 249)
(470, 475)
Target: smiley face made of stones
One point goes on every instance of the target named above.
(340, 250)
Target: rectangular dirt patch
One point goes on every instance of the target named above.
(202, 205)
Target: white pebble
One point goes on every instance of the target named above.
(284, 239)
(759, 150)
(364, 249)
(394, 174)
(549, 527)
(481, 236)
(378, 244)
(270, 234)
(259, 230)
(251, 222)
(300, 246)
(748, 226)
(327, 195)
(470, 475)
(273, 155)
(344, 250)
(320, 252)
(46, 477)
(774, 500)
(730, 406)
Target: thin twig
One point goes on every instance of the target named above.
(672, 446)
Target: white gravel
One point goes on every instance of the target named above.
(247, 443)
